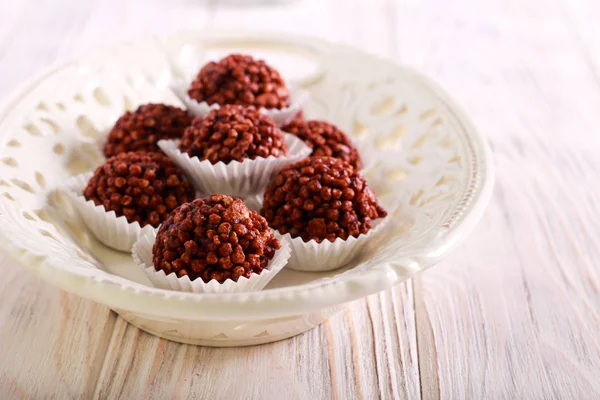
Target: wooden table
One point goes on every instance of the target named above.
(514, 313)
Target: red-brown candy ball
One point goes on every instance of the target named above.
(320, 198)
(144, 187)
(217, 237)
(240, 79)
(325, 139)
(142, 129)
(233, 133)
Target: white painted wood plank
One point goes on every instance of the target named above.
(514, 312)
(514, 315)
(362, 353)
(52, 344)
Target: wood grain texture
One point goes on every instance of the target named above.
(513, 313)
(52, 344)
(336, 360)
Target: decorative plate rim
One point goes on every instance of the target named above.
(279, 301)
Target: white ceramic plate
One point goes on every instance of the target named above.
(425, 161)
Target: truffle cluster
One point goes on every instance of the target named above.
(240, 79)
(320, 198)
(143, 187)
(325, 139)
(233, 133)
(142, 129)
(217, 237)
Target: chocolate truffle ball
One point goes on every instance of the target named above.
(320, 198)
(233, 133)
(240, 79)
(325, 139)
(217, 237)
(144, 187)
(142, 129)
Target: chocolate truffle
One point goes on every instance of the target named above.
(233, 133)
(325, 139)
(240, 79)
(320, 198)
(142, 129)
(217, 237)
(144, 187)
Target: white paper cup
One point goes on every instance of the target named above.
(115, 232)
(142, 256)
(235, 178)
(326, 256)
(281, 117)
(254, 201)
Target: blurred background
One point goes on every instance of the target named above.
(476, 49)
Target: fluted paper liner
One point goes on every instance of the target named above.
(142, 256)
(326, 256)
(254, 201)
(281, 116)
(235, 178)
(115, 232)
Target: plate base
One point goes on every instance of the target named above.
(229, 333)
